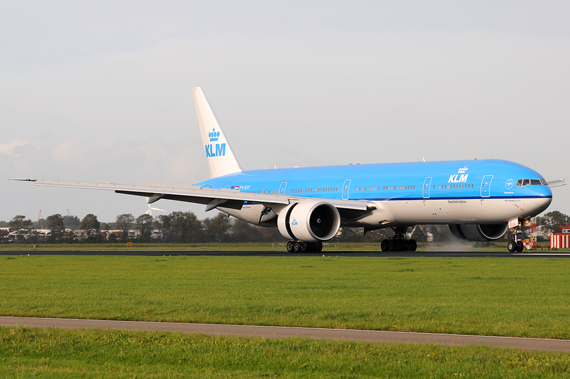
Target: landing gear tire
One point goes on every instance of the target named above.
(297, 246)
(512, 246)
(398, 245)
(302, 247)
(520, 246)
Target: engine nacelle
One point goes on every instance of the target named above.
(479, 232)
(309, 221)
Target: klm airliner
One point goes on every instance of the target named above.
(479, 199)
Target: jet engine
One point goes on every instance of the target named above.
(479, 232)
(309, 221)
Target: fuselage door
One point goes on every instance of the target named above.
(283, 187)
(426, 187)
(486, 186)
(345, 189)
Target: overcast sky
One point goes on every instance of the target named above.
(101, 91)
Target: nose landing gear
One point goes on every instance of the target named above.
(515, 245)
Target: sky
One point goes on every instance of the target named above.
(101, 91)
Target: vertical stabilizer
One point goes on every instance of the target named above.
(221, 158)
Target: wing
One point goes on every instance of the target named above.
(211, 197)
(556, 183)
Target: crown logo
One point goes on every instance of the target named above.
(213, 135)
(462, 170)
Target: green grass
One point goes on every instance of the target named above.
(260, 246)
(485, 296)
(31, 353)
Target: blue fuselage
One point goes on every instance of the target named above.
(447, 180)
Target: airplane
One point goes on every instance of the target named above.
(480, 200)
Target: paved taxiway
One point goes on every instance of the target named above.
(326, 253)
(287, 332)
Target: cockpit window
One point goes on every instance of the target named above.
(532, 182)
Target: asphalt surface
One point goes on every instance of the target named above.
(327, 253)
(287, 332)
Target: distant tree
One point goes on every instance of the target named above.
(242, 231)
(20, 222)
(71, 222)
(349, 235)
(164, 224)
(112, 238)
(55, 224)
(3, 235)
(552, 222)
(181, 227)
(217, 228)
(91, 226)
(145, 224)
(90, 222)
(124, 222)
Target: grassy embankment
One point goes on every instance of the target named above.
(513, 297)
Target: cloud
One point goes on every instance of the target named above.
(82, 154)
(10, 149)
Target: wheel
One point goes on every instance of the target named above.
(512, 246)
(401, 245)
(385, 246)
(303, 248)
(296, 246)
(392, 245)
(412, 245)
(290, 246)
(319, 247)
(520, 246)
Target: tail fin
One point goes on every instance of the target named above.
(221, 159)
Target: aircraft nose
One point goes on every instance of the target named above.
(540, 204)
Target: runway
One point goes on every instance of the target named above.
(373, 336)
(326, 253)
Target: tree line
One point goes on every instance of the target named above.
(176, 227)
(185, 227)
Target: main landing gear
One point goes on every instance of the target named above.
(399, 241)
(515, 245)
(304, 247)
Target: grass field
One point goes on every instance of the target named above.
(486, 296)
(262, 246)
(510, 297)
(33, 353)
